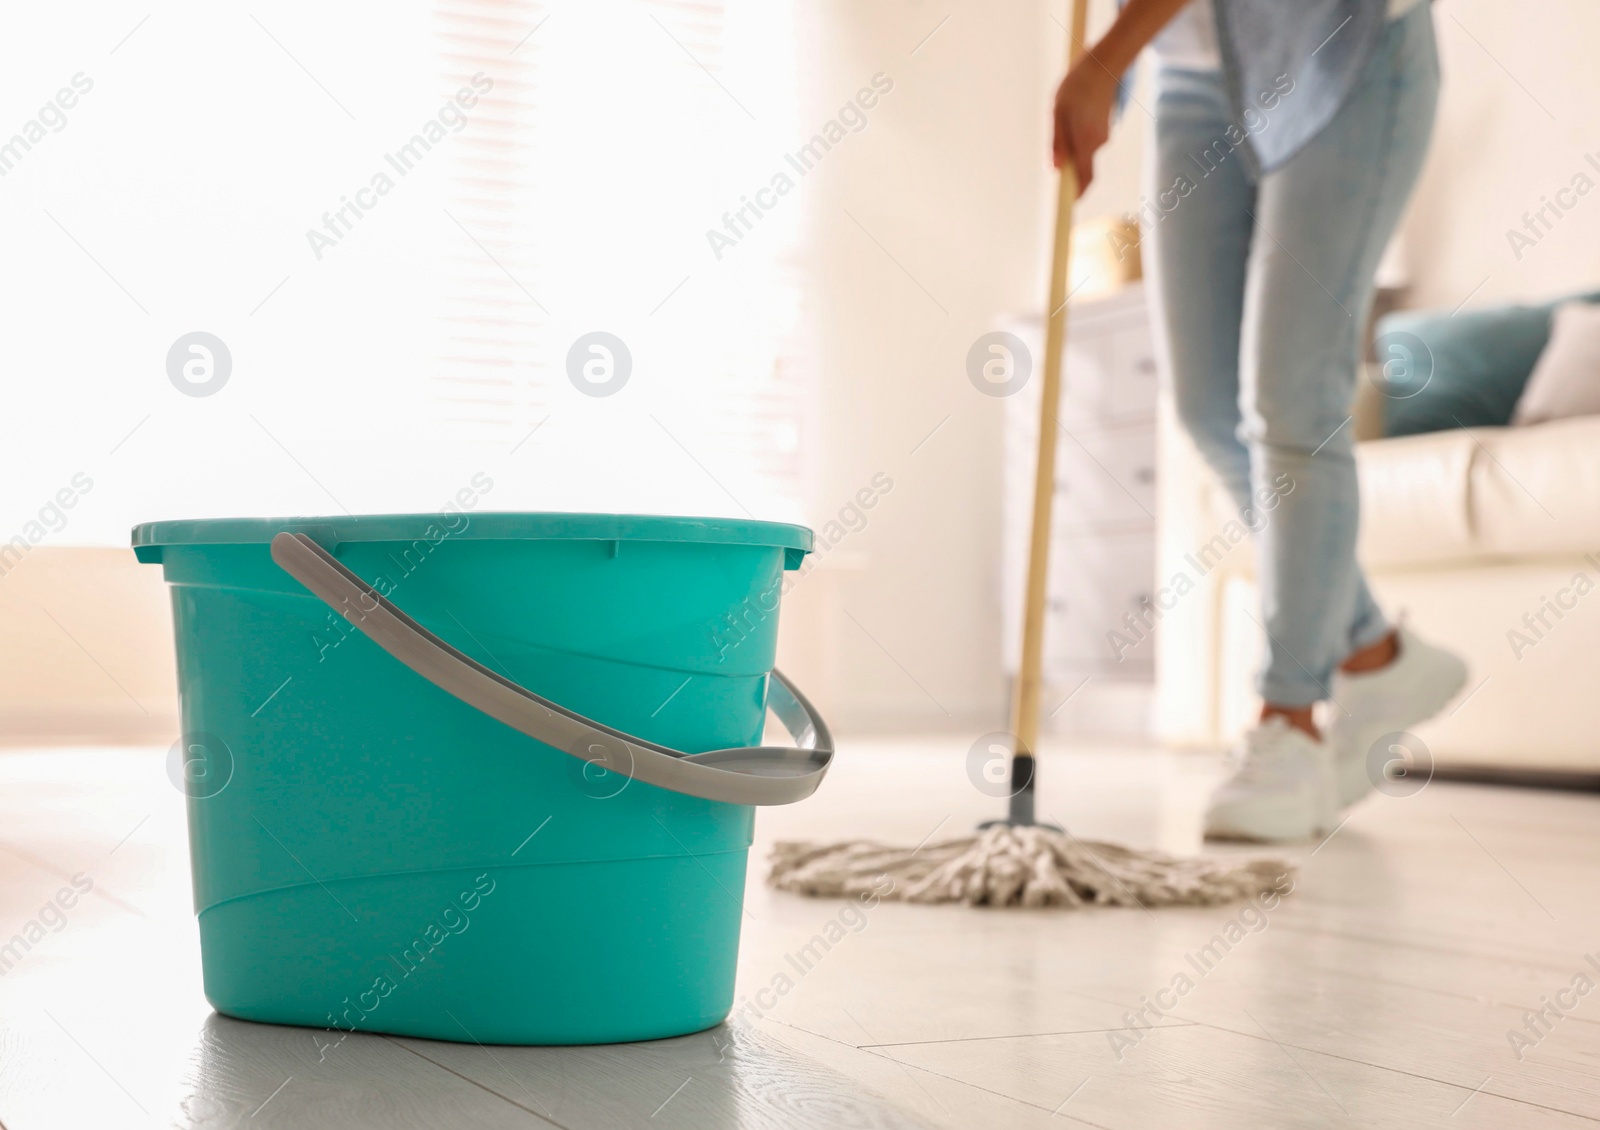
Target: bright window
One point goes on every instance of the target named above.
(398, 220)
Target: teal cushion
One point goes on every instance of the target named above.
(1463, 370)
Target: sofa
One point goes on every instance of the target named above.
(1485, 537)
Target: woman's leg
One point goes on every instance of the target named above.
(1322, 223)
(1198, 249)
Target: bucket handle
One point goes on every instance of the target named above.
(760, 775)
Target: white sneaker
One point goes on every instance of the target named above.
(1420, 682)
(1283, 788)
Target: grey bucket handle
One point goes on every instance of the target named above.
(759, 775)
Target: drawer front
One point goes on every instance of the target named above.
(1102, 566)
(1106, 477)
(1130, 378)
(1095, 584)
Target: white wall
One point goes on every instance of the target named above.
(1515, 120)
(87, 652)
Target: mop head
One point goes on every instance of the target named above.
(1026, 866)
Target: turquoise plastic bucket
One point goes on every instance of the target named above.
(370, 852)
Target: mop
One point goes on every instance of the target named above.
(1018, 861)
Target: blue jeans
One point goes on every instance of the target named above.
(1261, 291)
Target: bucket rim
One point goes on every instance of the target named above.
(492, 525)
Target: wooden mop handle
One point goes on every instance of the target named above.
(1025, 709)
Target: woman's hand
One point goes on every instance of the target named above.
(1084, 102)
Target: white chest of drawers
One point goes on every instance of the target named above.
(1102, 553)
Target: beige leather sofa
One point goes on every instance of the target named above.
(1487, 540)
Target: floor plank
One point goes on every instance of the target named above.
(1380, 993)
(1202, 1078)
(725, 1077)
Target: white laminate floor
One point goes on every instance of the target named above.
(1383, 992)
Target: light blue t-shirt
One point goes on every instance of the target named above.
(1322, 46)
(1189, 41)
